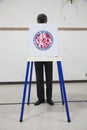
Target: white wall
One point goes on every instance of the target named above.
(14, 44)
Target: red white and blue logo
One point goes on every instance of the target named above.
(43, 40)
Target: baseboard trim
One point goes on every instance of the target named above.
(34, 82)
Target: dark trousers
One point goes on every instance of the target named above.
(39, 68)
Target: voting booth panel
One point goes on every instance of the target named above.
(43, 40)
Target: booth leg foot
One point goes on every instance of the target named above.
(69, 120)
(21, 120)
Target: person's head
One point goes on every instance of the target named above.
(41, 18)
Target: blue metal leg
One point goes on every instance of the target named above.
(60, 84)
(63, 89)
(24, 92)
(30, 81)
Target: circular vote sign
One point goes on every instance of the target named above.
(43, 40)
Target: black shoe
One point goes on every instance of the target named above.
(39, 102)
(50, 102)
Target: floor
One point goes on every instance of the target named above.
(43, 117)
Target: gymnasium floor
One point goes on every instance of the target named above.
(43, 117)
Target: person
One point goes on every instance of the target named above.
(39, 69)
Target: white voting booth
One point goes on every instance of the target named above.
(43, 46)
